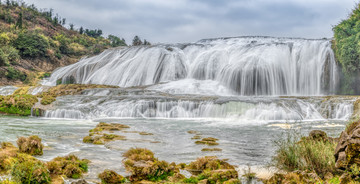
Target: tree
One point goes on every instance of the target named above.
(146, 42)
(31, 44)
(63, 21)
(72, 27)
(81, 30)
(136, 41)
(116, 41)
(19, 22)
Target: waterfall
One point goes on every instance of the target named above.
(120, 103)
(240, 66)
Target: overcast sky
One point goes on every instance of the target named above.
(173, 21)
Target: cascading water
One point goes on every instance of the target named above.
(242, 66)
(126, 103)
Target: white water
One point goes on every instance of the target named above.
(135, 103)
(242, 66)
(7, 90)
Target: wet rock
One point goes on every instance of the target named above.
(80, 182)
(211, 149)
(208, 141)
(193, 132)
(196, 137)
(145, 133)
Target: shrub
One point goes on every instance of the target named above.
(305, 154)
(31, 145)
(30, 171)
(8, 55)
(14, 74)
(32, 44)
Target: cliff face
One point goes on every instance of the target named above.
(34, 41)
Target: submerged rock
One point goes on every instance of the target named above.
(208, 141)
(97, 135)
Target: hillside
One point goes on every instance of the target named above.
(33, 42)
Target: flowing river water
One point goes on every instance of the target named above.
(245, 91)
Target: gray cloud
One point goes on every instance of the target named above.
(191, 20)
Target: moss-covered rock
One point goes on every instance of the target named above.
(208, 141)
(212, 169)
(111, 177)
(300, 177)
(69, 166)
(98, 135)
(211, 149)
(17, 104)
(142, 165)
(31, 145)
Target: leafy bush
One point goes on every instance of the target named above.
(32, 44)
(30, 171)
(31, 145)
(14, 74)
(8, 55)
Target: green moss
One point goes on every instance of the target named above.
(46, 100)
(17, 104)
(70, 166)
(111, 177)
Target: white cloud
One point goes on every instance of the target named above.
(192, 20)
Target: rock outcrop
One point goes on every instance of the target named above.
(347, 152)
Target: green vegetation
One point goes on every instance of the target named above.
(19, 104)
(70, 89)
(142, 165)
(97, 135)
(40, 41)
(213, 170)
(31, 145)
(69, 166)
(305, 154)
(24, 168)
(347, 50)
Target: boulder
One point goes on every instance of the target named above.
(347, 152)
